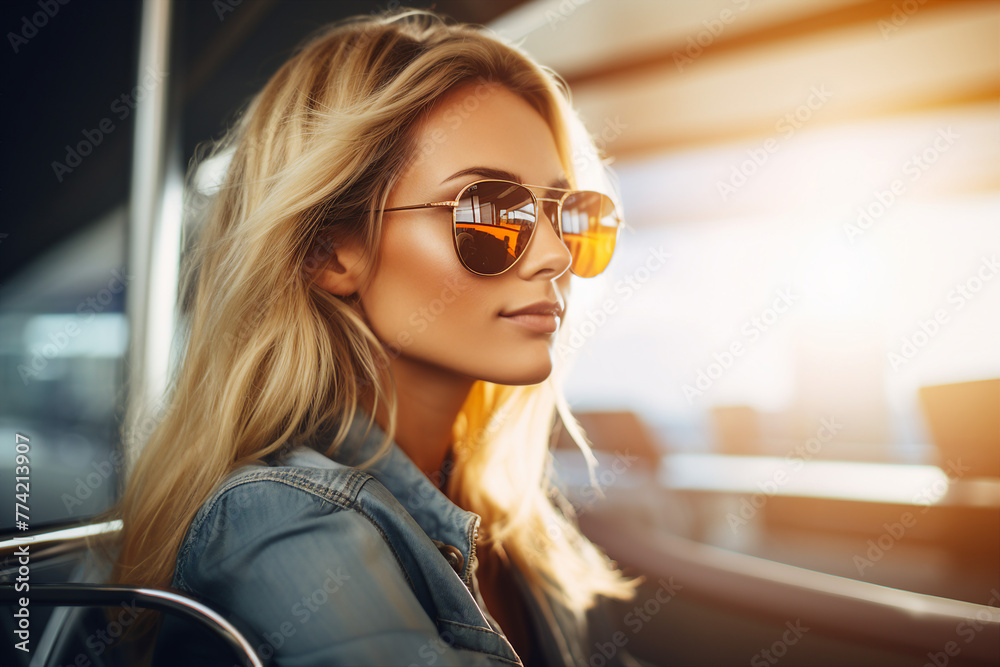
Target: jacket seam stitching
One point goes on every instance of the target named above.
(471, 627)
(385, 539)
(335, 497)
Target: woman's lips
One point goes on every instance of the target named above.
(541, 317)
(545, 324)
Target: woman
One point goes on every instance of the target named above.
(353, 460)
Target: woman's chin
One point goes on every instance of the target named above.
(521, 374)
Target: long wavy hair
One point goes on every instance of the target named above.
(269, 357)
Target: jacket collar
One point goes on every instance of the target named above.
(442, 520)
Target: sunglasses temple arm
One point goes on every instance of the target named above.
(451, 204)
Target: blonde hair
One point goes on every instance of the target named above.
(270, 357)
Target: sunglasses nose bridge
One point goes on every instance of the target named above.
(550, 208)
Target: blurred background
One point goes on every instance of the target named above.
(792, 362)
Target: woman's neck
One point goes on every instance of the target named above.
(429, 400)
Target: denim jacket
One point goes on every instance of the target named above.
(331, 565)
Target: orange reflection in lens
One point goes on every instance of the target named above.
(508, 235)
(590, 228)
(591, 250)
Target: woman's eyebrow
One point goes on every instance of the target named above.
(487, 172)
(559, 184)
(503, 174)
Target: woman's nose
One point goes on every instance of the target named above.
(546, 252)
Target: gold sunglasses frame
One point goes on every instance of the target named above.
(557, 225)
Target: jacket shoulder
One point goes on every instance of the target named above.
(298, 555)
(256, 502)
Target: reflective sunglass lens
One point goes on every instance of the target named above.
(590, 228)
(493, 224)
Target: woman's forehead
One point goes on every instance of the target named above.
(485, 124)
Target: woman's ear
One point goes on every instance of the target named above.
(341, 267)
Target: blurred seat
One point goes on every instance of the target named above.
(737, 429)
(963, 418)
(68, 603)
(696, 594)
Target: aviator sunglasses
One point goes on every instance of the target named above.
(493, 221)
